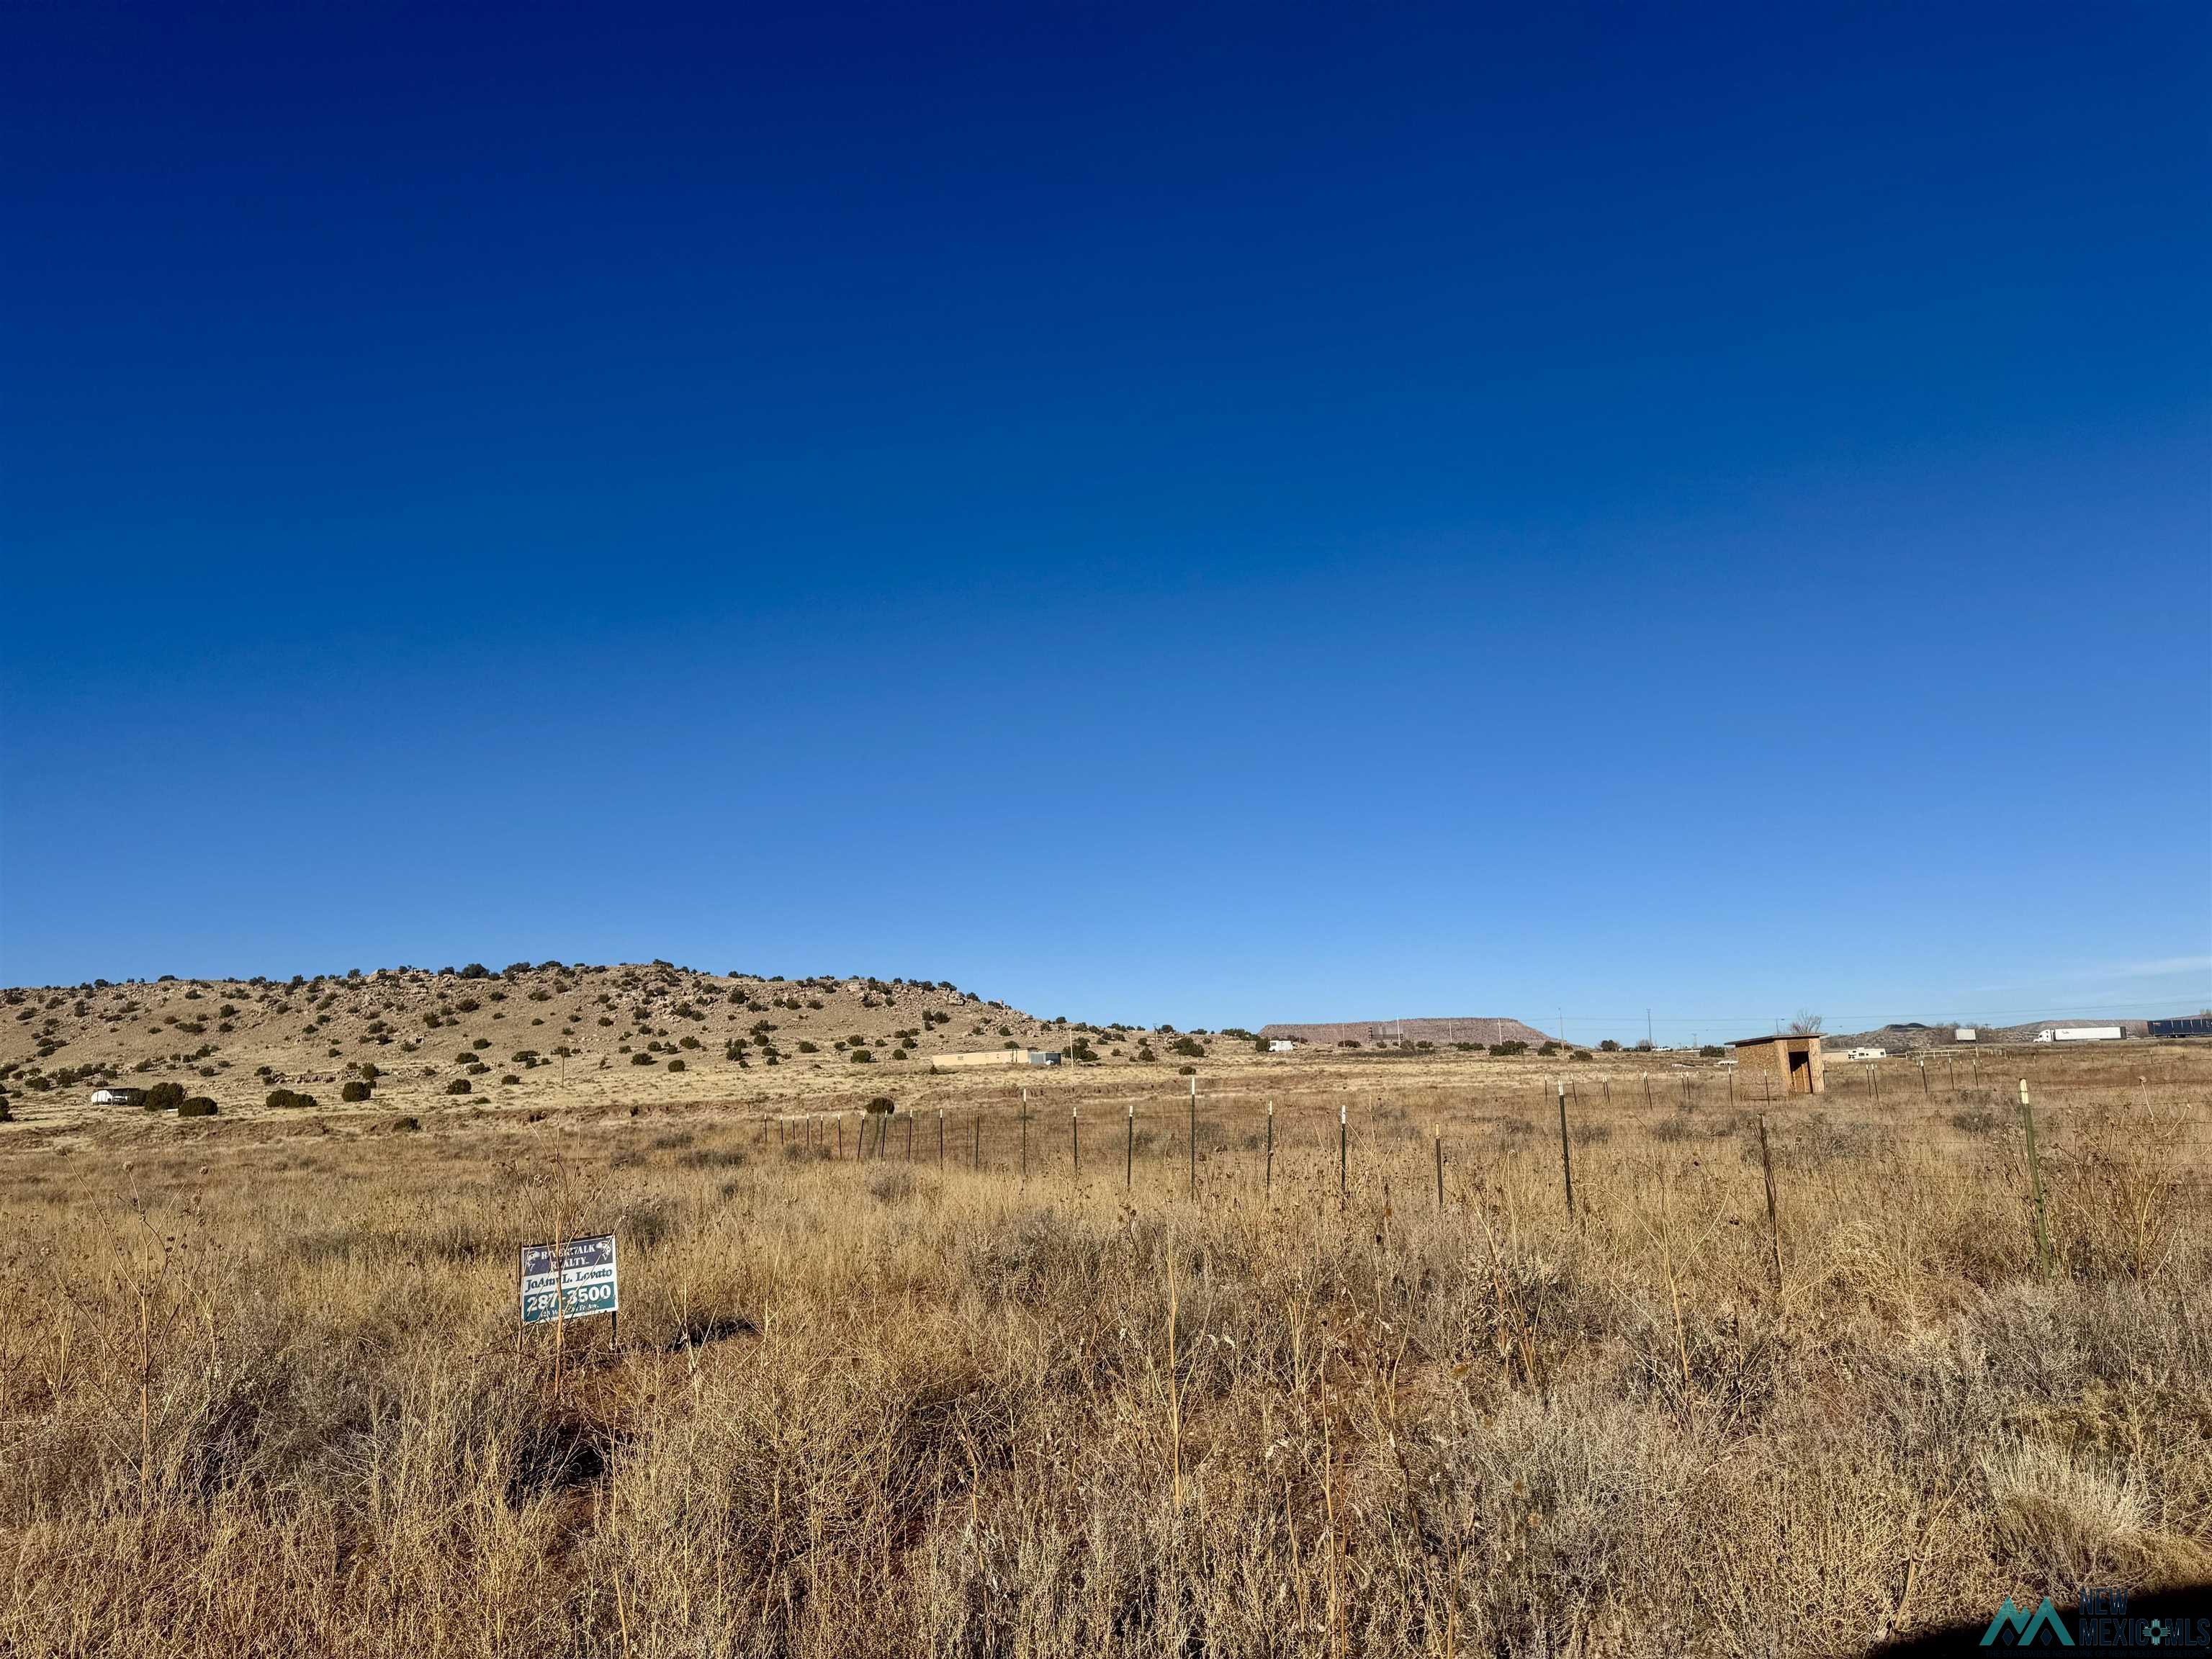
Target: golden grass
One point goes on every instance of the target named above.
(260, 1389)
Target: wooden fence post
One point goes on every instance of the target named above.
(1268, 1180)
(2035, 1183)
(1075, 1141)
(1193, 1140)
(1566, 1158)
(1129, 1151)
(1440, 1171)
(1773, 1226)
(1343, 1153)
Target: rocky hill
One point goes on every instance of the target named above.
(233, 1040)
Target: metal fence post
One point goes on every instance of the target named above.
(1566, 1158)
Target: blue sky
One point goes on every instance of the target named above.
(1211, 515)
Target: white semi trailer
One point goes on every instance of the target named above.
(2081, 1034)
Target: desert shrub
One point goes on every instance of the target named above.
(164, 1098)
(460, 1085)
(892, 1186)
(354, 1093)
(1506, 1050)
(1713, 1051)
(1546, 1052)
(641, 1058)
(1188, 1046)
(198, 1106)
(289, 1100)
(509, 1079)
(880, 1104)
(1609, 1046)
(861, 1057)
(675, 1065)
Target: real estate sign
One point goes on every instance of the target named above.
(584, 1285)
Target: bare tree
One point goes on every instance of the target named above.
(1805, 1024)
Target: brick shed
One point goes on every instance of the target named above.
(1794, 1062)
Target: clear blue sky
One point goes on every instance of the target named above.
(1213, 515)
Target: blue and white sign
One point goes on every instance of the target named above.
(585, 1284)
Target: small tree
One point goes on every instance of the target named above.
(1806, 1024)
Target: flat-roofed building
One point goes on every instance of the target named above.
(1792, 1061)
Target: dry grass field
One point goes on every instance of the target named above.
(262, 1391)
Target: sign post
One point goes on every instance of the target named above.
(584, 1285)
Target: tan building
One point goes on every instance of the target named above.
(1794, 1062)
(997, 1057)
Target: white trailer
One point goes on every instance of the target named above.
(2082, 1034)
(1966, 1034)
